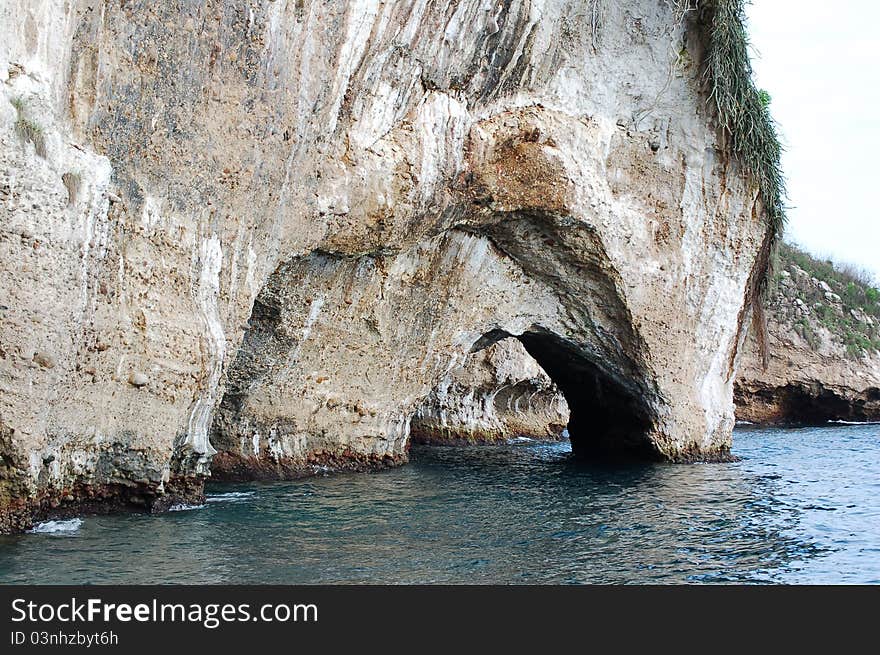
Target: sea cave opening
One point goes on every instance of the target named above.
(608, 414)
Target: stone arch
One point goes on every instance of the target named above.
(341, 349)
(609, 414)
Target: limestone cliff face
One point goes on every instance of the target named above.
(803, 386)
(824, 333)
(272, 228)
(823, 365)
(496, 394)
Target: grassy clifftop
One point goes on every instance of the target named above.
(826, 302)
(743, 110)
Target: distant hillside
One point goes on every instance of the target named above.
(827, 301)
(824, 339)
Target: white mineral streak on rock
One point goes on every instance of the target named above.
(94, 229)
(211, 261)
(36, 36)
(314, 312)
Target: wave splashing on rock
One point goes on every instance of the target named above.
(57, 527)
(230, 497)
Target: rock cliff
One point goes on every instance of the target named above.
(824, 329)
(823, 326)
(273, 228)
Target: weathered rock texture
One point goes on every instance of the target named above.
(824, 332)
(824, 365)
(272, 228)
(496, 394)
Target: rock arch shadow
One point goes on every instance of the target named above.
(610, 415)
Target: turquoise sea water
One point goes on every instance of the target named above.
(803, 506)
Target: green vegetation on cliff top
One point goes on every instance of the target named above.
(850, 310)
(743, 110)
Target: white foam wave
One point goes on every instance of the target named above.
(57, 527)
(232, 497)
(183, 507)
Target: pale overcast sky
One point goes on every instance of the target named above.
(820, 62)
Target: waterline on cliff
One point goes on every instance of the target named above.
(529, 512)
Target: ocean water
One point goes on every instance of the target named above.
(803, 506)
